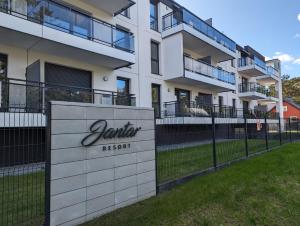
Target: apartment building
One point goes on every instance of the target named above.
(148, 53)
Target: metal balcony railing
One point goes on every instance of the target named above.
(205, 69)
(253, 87)
(195, 109)
(28, 95)
(173, 19)
(66, 19)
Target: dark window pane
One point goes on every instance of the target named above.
(154, 67)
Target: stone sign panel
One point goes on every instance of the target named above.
(102, 158)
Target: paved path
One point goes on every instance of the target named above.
(21, 169)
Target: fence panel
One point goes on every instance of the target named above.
(230, 140)
(186, 150)
(256, 135)
(286, 135)
(22, 170)
(182, 150)
(295, 133)
(273, 128)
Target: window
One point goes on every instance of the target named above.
(285, 108)
(123, 89)
(153, 15)
(126, 13)
(123, 86)
(154, 58)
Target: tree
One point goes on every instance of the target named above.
(291, 87)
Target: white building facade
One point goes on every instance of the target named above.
(148, 53)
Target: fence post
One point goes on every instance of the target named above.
(280, 132)
(290, 127)
(214, 138)
(246, 135)
(266, 133)
(48, 165)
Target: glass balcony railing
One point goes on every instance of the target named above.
(247, 61)
(66, 19)
(253, 87)
(208, 70)
(272, 71)
(174, 19)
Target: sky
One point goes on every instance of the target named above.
(272, 27)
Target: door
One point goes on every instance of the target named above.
(156, 102)
(233, 111)
(67, 84)
(183, 102)
(204, 99)
(221, 104)
(4, 88)
(246, 107)
(245, 87)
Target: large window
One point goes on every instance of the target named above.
(154, 57)
(153, 15)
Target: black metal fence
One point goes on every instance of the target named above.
(186, 150)
(22, 167)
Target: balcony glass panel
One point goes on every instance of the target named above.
(260, 63)
(272, 71)
(66, 19)
(208, 70)
(247, 61)
(172, 20)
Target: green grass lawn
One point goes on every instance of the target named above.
(174, 164)
(262, 191)
(22, 200)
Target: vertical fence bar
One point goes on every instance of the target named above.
(214, 139)
(280, 132)
(290, 127)
(246, 136)
(266, 133)
(297, 129)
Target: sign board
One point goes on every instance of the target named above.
(102, 158)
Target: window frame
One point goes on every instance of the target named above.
(156, 60)
(154, 17)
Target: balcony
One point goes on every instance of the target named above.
(197, 73)
(198, 36)
(52, 28)
(271, 77)
(112, 7)
(252, 67)
(253, 91)
(32, 97)
(197, 113)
